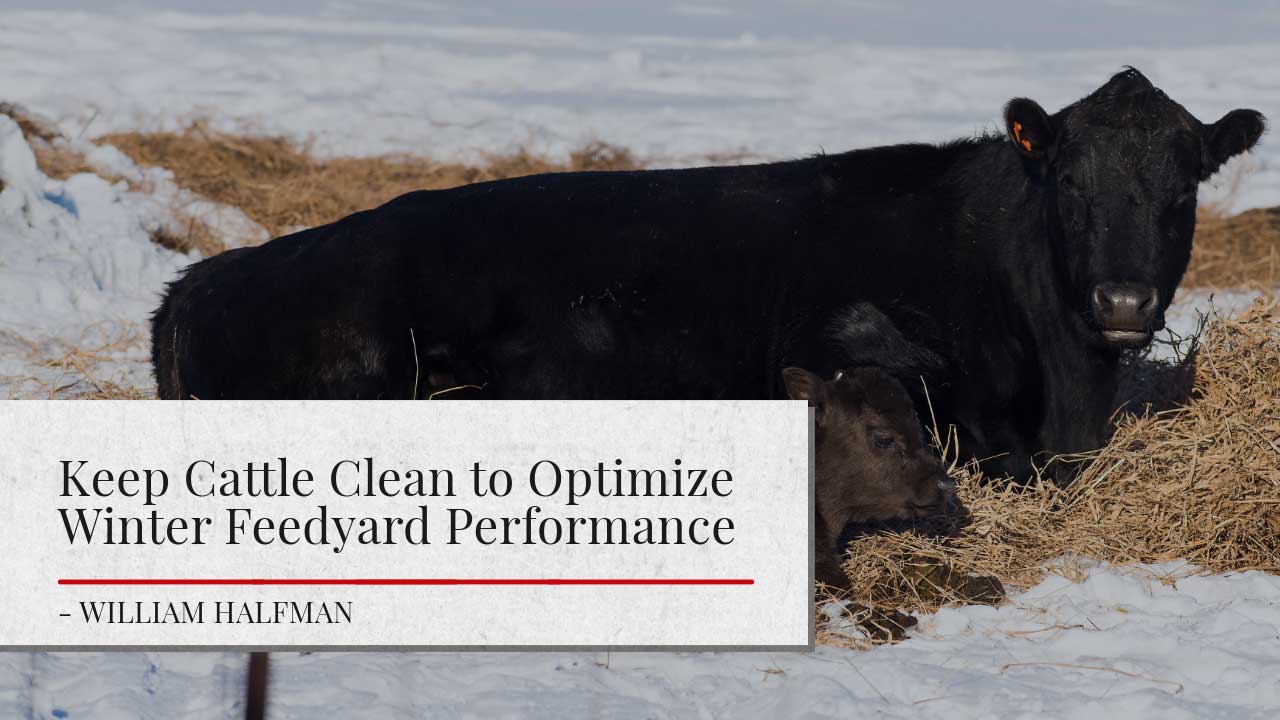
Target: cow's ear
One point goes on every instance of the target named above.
(1029, 127)
(804, 385)
(1235, 133)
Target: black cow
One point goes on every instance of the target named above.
(1017, 268)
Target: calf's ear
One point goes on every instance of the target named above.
(804, 385)
(1234, 133)
(1029, 126)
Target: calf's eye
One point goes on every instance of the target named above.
(883, 441)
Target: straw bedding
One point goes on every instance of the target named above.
(1200, 481)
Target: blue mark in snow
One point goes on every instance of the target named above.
(61, 200)
(60, 713)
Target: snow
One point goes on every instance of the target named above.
(76, 263)
(78, 269)
(120, 685)
(1191, 309)
(456, 79)
(1148, 641)
(676, 81)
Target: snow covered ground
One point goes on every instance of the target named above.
(1120, 644)
(1142, 642)
(79, 273)
(673, 81)
(676, 81)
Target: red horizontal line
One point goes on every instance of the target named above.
(406, 581)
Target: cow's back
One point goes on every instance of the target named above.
(481, 276)
(231, 324)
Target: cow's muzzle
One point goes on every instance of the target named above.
(1126, 313)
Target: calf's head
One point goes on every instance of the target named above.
(872, 462)
(1122, 167)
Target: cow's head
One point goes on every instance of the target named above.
(871, 460)
(1122, 167)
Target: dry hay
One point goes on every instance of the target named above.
(76, 370)
(1236, 250)
(58, 160)
(283, 186)
(54, 154)
(280, 183)
(1200, 482)
(191, 232)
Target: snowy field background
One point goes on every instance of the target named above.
(1122, 644)
(676, 82)
(672, 81)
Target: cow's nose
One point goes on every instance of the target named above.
(1124, 307)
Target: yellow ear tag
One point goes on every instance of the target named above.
(1017, 135)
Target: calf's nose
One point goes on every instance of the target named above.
(934, 492)
(947, 485)
(949, 502)
(1124, 306)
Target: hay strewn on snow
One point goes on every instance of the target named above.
(1236, 250)
(53, 154)
(81, 370)
(1199, 482)
(283, 186)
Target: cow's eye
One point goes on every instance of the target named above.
(884, 441)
